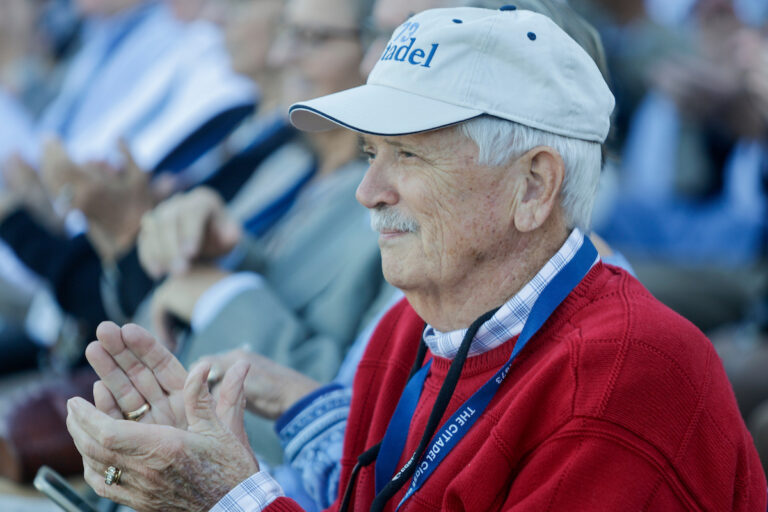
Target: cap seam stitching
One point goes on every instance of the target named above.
(476, 64)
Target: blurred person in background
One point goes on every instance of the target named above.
(33, 52)
(305, 285)
(634, 42)
(743, 346)
(163, 86)
(155, 63)
(690, 208)
(109, 91)
(166, 88)
(246, 156)
(16, 41)
(17, 31)
(100, 276)
(37, 39)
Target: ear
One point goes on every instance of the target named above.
(542, 171)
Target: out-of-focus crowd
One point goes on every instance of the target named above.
(148, 173)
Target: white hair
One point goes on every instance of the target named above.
(499, 141)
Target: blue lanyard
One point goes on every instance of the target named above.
(394, 438)
(462, 420)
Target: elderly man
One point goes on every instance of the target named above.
(541, 378)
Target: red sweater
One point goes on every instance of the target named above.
(617, 403)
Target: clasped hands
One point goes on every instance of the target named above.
(190, 448)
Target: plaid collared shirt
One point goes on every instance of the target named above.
(252, 495)
(510, 318)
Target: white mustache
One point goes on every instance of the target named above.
(389, 219)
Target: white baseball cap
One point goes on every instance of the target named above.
(444, 66)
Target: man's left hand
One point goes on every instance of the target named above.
(165, 468)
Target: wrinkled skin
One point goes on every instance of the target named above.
(134, 368)
(164, 468)
(465, 220)
(186, 452)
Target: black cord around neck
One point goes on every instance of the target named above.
(438, 410)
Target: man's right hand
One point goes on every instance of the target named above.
(270, 388)
(165, 467)
(136, 369)
(186, 228)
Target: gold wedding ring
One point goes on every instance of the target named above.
(138, 413)
(112, 475)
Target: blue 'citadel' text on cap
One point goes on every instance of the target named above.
(513, 64)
